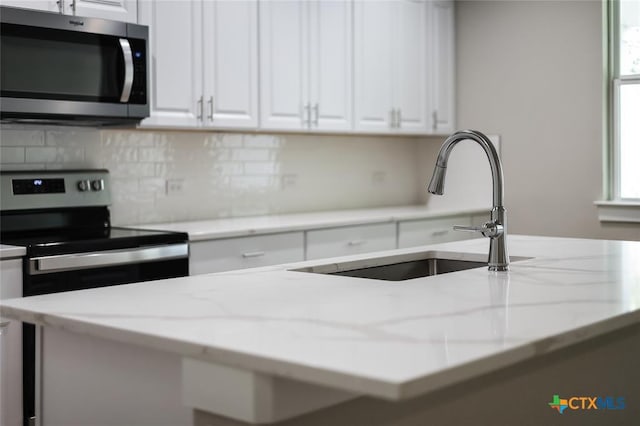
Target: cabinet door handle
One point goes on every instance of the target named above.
(73, 6)
(200, 107)
(354, 243)
(4, 324)
(439, 233)
(434, 118)
(316, 109)
(60, 4)
(253, 254)
(306, 115)
(210, 104)
(398, 118)
(392, 117)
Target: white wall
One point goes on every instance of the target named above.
(531, 71)
(225, 174)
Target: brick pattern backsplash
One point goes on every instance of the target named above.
(160, 176)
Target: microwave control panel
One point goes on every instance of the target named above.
(139, 86)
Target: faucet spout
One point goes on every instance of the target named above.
(496, 228)
(436, 186)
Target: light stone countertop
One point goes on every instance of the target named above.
(7, 252)
(256, 225)
(388, 339)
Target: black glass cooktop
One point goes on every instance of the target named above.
(88, 240)
(75, 230)
(93, 239)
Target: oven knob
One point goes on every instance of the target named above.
(97, 185)
(84, 185)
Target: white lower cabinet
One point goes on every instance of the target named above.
(420, 232)
(347, 240)
(480, 219)
(228, 254)
(10, 347)
(245, 252)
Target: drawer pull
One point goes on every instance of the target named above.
(253, 254)
(440, 233)
(356, 242)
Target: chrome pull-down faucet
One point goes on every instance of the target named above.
(496, 228)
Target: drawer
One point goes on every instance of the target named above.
(349, 240)
(413, 233)
(245, 252)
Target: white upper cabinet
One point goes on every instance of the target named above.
(46, 5)
(283, 65)
(204, 69)
(230, 64)
(331, 60)
(392, 66)
(384, 66)
(411, 90)
(443, 75)
(373, 54)
(175, 42)
(117, 10)
(305, 58)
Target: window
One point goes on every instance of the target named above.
(622, 186)
(626, 100)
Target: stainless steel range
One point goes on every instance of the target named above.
(62, 219)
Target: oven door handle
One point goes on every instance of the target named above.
(49, 264)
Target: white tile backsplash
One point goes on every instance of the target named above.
(12, 155)
(225, 174)
(12, 137)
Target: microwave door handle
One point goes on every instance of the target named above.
(128, 69)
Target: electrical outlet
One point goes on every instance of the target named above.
(175, 186)
(289, 180)
(378, 177)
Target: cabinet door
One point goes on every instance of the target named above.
(231, 63)
(349, 240)
(118, 10)
(228, 254)
(442, 38)
(10, 347)
(175, 40)
(284, 65)
(413, 233)
(46, 5)
(330, 64)
(411, 72)
(373, 62)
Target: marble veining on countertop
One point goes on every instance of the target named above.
(255, 225)
(388, 339)
(7, 251)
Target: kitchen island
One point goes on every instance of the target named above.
(285, 344)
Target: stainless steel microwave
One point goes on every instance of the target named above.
(63, 69)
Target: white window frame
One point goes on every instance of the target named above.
(614, 208)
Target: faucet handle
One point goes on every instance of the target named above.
(489, 229)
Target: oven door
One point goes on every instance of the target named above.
(55, 65)
(78, 271)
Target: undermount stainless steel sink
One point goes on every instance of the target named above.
(414, 269)
(405, 267)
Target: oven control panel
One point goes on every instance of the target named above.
(54, 188)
